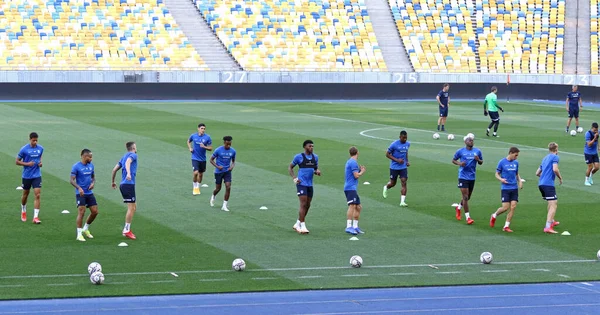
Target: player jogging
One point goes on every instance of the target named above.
(547, 172)
(30, 157)
(198, 143)
(308, 165)
(353, 171)
(490, 106)
(128, 165)
(573, 104)
(507, 173)
(467, 159)
(591, 153)
(84, 179)
(223, 159)
(443, 100)
(398, 154)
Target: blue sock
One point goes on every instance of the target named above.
(443, 128)
(438, 127)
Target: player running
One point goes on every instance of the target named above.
(547, 172)
(223, 159)
(84, 179)
(573, 104)
(198, 143)
(308, 165)
(490, 106)
(467, 159)
(30, 157)
(443, 100)
(507, 173)
(128, 164)
(398, 154)
(590, 152)
(353, 172)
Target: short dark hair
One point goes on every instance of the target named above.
(494, 88)
(33, 135)
(129, 145)
(307, 142)
(403, 133)
(201, 125)
(594, 125)
(227, 138)
(513, 150)
(446, 84)
(85, 151)
(353, 151)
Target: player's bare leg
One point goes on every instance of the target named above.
(349, 219)
(357, 210)
(499, 211)
(403, 192)
(37, 193)
(464, 197)
(389, 185)
(196, 179)
(569, 123)
(302, 212)
(226, 198)
(550, 223)
(214, 194)
(80, 214)
(131, 208)
(513, 206)
(24, 198)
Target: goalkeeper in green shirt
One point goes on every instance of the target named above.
(490, 106)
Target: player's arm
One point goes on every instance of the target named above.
(499, 177)
(557, 172)
(317, 170)
(580, 102)
(479, 159)
(291, 172)
(360, 173)
(448, 101)
(457, 162)
(389, 155)
(485, 113)
(74, 183)
(19, 161)
(214, 163)
(591, 142)
(128, 168)
(232, 164)
(438, 100)
(539, 171)
(519, 181)
(189, 144)
(93, 182)
(114, 173)
(567, 104)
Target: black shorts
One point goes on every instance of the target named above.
(128, 193)
(509, 195)
(394, 174)
(28, 183)
(548, 192)
(443, 111)
(199, 166)
(304, 191)
(352, 197)
(466, 183)
(591, 158)
(86, 200)
(574, 112)
(223, 177)
(494, 116)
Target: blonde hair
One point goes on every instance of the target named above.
(553, 146)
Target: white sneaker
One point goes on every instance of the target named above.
(587, 183)
(385, 189)
(295, 227)
(225, 209)
(212, 202)
(80, 238)
(303, 231)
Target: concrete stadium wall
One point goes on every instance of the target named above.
(277, 91)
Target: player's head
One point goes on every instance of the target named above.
(513, 153)
(227, 142)
(446, 87)
(33, 139)
(553, 147)
(308, 146)
(468, 142)
(353, 151)
(595, 127)
(86, 156)
(201, 128)
(575, 87)
(131, 147)
(403, 136)
(494, 89)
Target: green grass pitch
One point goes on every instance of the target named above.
(180, 233)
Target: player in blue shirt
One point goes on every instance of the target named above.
(352, 172)
(128, 166)
(573, 104)
(590, 151)
(507, 173)
(198, 143)
(30, 157)
(398, 154)
(443, 99)
(547, 172)
(308, 165)
(467, 159)
(223, 159)
(84, 179)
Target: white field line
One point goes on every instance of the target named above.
(582, 288)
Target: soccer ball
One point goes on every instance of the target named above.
(450, 137)
(93, 267)
(238, 264)
(573, 133)
(97, 277)
(486, 257)
(598, 255)
(436, 136)
(356, 261)
(580, 129)
(470, 135)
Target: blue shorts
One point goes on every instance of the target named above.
(199, 166)
(573, 112)
(591, 158)
(394, 174)
(548, 192)
(494, 116)
(466, 183)
(352, 197)
(28, 183)
(509, 195)
(87, 200)
(223, 177)
(304, 191)
(443, 111)
(128, 193)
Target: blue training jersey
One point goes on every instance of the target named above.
(467, 172)
(307, 165)
(132, 168)
(594, 148)
(443, 97)
(83, 176)
(28, 154)
(351, 183)
(547, 177)
(574, 98)
(223, 157)
(399, 150)
(509, 171)
(199, 153)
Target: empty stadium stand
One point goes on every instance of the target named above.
(594, 40)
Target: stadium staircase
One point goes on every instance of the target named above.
(576, 56)
(200, 35)
(474, 23)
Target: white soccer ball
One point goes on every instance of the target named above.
(93, 267)
(486, 257)
(238, 264)
(580, 129)
(598, 255)
(436, 136)
(470, 135)
(573, 133)
(97, 277)
(450, 137)
(356, 261)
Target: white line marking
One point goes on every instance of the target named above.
(12, 285)
(309, 277)
(582, 288)
(491, 271)
(588, 284)
(359, 275)
(541, 269)
(264, 278)
(211, 280)
(59, 284)
(160, 281)
(563, 276)
(448, 272)
(403, 274)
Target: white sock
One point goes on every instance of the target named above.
(402, 198)
(86, 227)
(587, 179)
(467, 215)
(548, 224)
(302, 225)
(348, 223)
(196, 185)
(355, 224)
(224, 204)
(494, 215)
(79, 232)
(459, 206)
(507, 224)
(127, 227)
(212, 197)
(36, 212)
(23, 208)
